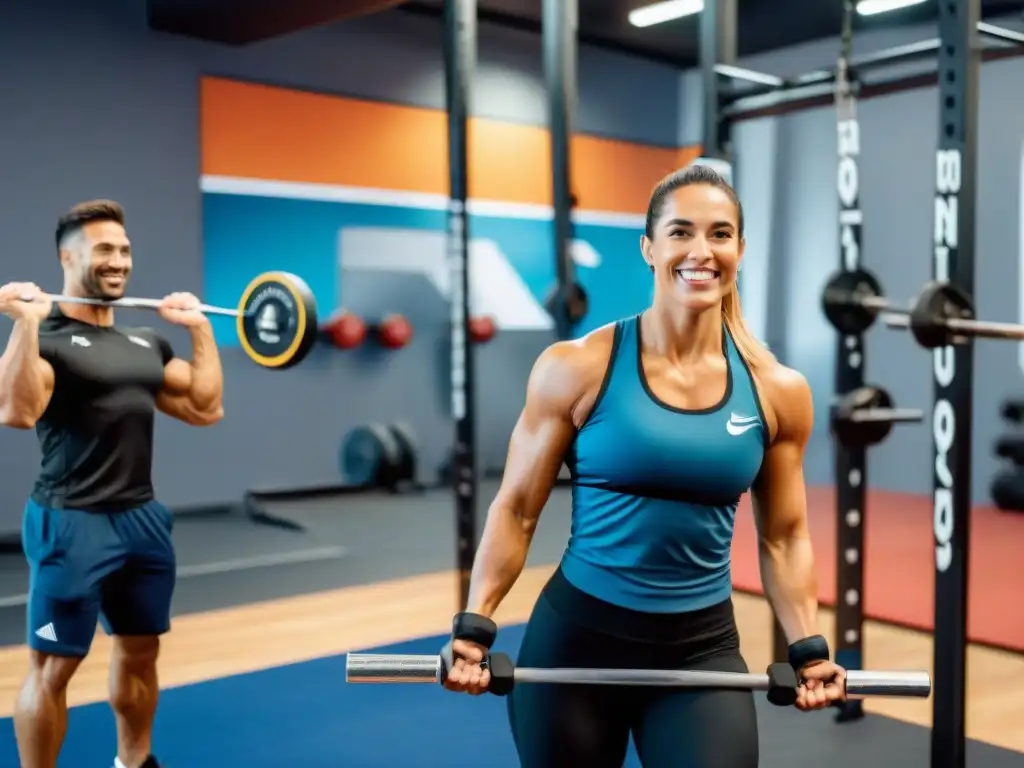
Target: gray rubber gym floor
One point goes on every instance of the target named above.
(226, 560)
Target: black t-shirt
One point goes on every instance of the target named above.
(97, 432)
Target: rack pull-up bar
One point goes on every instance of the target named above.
(897, 55)
(819, 82)
(1001, 33)
(750, 75)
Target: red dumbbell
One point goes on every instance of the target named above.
(482, 329)
(394, 331)
(345, 330)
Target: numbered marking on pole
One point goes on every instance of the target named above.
(277, 320)
(948, 179)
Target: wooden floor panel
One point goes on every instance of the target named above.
(253, 637)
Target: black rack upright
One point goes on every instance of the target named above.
(953, 255)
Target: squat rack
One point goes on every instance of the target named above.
(459, 44)
(752, 94)
(959, 52)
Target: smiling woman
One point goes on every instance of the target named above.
(666, 419)
(703, 190)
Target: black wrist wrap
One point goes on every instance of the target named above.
(475, 628)
(808, 651)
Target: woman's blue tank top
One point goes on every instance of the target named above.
(655, 488)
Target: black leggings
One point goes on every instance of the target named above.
(589, 726)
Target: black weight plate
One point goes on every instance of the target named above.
(277, 320)
(861, 398)
(782, 684)
(369, 456)
(1011, 447)
(936, 304)
(570, 302)
(577, 303)
(1012, 410)
(860, 434)
(842, 300)
(1007, 490)
(405, 441)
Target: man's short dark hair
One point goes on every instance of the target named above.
(86, 213)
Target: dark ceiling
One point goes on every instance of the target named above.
(763, 24)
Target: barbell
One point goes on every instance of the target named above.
(276, 318)
(941, 315)
(780, 682)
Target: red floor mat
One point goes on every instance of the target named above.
(899, 563)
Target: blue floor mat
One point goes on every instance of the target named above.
(306, 715)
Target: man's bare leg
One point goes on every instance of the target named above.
(41, 709)
(134, 690)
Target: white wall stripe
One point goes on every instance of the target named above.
(233, 185)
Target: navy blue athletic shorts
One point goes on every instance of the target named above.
(118, 567)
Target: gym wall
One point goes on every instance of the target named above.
(97, 105)
(300, 179)
(786, 174)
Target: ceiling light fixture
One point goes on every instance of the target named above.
(871, 7)
(668, 10)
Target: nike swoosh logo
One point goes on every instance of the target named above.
(739, 429)
(735, 418)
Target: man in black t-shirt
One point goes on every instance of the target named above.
(98, 543)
